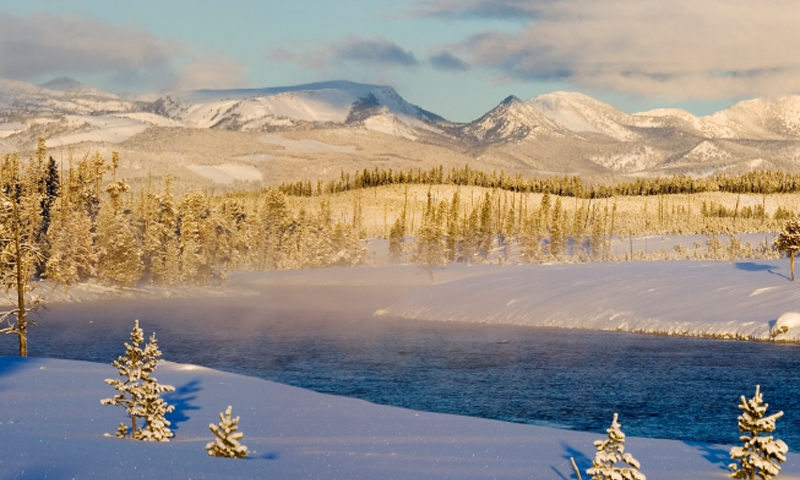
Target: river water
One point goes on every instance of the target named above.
(325, 339)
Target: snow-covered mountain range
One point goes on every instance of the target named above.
(557, 132)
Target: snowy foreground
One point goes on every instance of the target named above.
(53, 426)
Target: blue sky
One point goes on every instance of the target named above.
(457, 58)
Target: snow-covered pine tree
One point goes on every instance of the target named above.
(156, 426)
(759, 457)
(227, 442)
(139, 391)
(610, 452)
(195, 238)
(789, 240)
(118, 252)
(72, 257)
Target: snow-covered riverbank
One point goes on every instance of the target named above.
(53, 426)
(741, 300)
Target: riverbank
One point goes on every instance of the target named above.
(54, 427)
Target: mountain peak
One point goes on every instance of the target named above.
(510, 100)
(63, 84)
(71, 86)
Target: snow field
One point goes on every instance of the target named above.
(104, 129)
(309, 146)
(227, 173)
(53, 426)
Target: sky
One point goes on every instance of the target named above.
(456, 58)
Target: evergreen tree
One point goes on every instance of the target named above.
(118, 252)
(789, 240)
(274, 222)
(557, 230)
(485, 230)
(530, 238)
(454, 237)
(396, 237)
(227, 442)
(597, 237)
(610, 452)
(139, 390)
(759, 456)
(194, 238)
(72, 256)
(470, 235)
(431, 249)
(230, 235)
(161, 247)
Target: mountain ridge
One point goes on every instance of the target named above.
(566, 132)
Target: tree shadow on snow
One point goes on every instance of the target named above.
(182, 399)
(582, 461)
(714, 454)
(39, 472)
(10, 365)
(758, 267)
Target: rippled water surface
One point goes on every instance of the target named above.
(325, 339)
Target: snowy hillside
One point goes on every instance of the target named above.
(51, 409)
(769, 119)
(60, 96)
(581, 113)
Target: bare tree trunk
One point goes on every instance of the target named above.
(791, 262)
(22, 325)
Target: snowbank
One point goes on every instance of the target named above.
(699, 299)
(53, 426)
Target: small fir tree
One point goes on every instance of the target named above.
(789, 240)
(227, 442)
(139, 391)
(759, 457)
(610, 452)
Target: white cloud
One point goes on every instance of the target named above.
(378, 52)
(129, 57)
(680, 49)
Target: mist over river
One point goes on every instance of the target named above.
(325, 338)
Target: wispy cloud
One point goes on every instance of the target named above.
(682, 49)
(130, 57)
(448, 62)
(378, 52)
(505, 9)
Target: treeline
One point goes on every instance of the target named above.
(762, 182)
(503, 227)
(81, 223)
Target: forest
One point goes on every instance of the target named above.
(76, 221)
